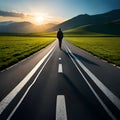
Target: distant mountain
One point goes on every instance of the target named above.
(100, 20)
(6, 23)
(23, 27)
(17, 27)
(112, 28)
(47, 26)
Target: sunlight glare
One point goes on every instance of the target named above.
(39, 19)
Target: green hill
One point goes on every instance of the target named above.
(111, 28)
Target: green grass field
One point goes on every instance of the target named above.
(107, 48)
(15, 48)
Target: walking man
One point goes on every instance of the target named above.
(60, 37)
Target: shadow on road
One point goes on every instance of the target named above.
(81, 58)
(75, 88)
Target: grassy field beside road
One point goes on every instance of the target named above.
(15, 48)
(107, 48)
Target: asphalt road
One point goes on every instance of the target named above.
(54, 84)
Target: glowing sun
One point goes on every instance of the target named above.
(39, 20)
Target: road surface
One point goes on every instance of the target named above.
(54, 84)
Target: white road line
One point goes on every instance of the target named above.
(60, 68)
(59, 58)
(61, 113)
(99, 99)
(5, 102)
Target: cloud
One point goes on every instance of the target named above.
(11, 14)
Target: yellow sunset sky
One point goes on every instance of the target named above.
(35, 18)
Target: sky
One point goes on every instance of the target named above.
(46, 11)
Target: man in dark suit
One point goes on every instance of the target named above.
(60, 37)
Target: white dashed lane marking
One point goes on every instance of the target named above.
(60, 68)
(59, 58)
(61, 113)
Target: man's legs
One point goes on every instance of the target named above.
(60, 43)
